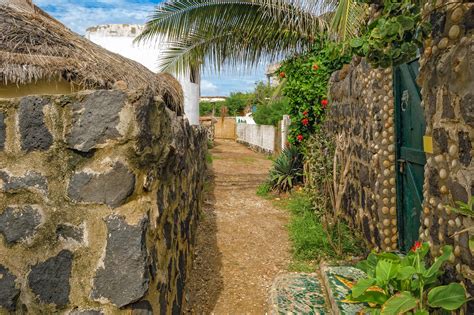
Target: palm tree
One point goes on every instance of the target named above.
(245, 32)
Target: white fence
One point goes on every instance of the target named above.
(260, 137)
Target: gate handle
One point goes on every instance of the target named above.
(401, 163)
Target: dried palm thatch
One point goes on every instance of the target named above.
(34, 46)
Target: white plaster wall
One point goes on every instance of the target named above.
(261, 136)
(118, 38)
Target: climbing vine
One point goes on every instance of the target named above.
(306, 80)
(394, 36)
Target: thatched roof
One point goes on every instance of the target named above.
(34, 46)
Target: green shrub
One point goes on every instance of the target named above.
(287, 170)
(398, 285)
(271, 113)
(306, 86)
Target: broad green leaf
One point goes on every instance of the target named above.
(389, 256)
(406, 22)
(361, 286)
(406, 272)
(374, 297)
(433, 270)
(421, 312)
(385, 271)
(399, 303)
(449, 297)
(357, 42)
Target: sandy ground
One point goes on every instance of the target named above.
(242, 240)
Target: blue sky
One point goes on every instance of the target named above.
(78, 15)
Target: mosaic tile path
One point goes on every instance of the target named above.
(297, 293)
(338, 280)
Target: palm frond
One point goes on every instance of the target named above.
(218, 32)
(348, 19)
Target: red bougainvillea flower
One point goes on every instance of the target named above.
(416, 246)
(324, 103)
(282, 75)
(300, 137)
(305, 121)
(315, 67)
(305, 113)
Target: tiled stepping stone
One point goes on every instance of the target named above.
(339, 281)
(297, 293)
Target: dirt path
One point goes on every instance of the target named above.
(242, 241)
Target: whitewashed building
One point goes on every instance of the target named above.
(119, 38)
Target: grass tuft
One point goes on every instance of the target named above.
(264, 189)
(310, 240)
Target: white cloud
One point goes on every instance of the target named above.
(208, 88)
(79, 15)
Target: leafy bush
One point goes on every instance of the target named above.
(396, 285)
(395, 36)
(287, 170)
(306, 86)
(272, 112)
(205, 108)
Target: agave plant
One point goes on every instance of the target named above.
(287, 170)
(246, 32)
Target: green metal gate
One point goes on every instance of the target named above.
(410, 129)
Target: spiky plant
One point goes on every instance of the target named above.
(287, 170)
(245, 32)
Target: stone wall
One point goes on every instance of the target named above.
(101, 192)
(361, 119)
(447, 85)
(259, 137)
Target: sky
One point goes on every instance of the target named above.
(78, 15)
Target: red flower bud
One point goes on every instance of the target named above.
(305, 113)
(417, 245)
(324, 103)
(282, 75)
(305, 121)
(300, 137)
(315, 67)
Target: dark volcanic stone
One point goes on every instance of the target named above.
(2, 131)
(124, 278)
(8, 290)
(448, 108)
(95, 120)
(163, 288)
(458, 192)
(441, 138)
(433, 182)
(35, 136)
(19, 223)
(467, 109)
(465, 148)
(32, 179)
(49, 280)
(67, 231)
(142, 308)
(364, 176)
(111, 188)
